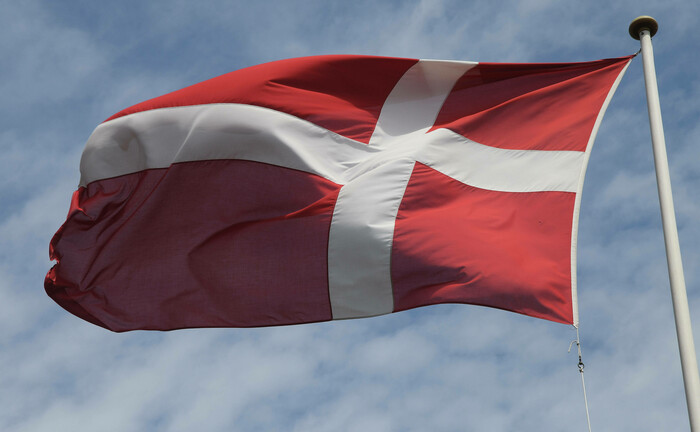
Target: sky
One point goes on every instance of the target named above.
(69, 65)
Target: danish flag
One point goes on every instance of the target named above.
(335, 187)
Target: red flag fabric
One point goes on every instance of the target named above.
(334, 187)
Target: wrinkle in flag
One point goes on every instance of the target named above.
(334, 187)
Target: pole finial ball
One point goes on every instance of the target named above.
(643, 23)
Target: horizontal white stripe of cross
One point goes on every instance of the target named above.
(374, 176)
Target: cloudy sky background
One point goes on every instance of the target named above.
(66, 66)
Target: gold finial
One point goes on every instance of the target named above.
(643, 23)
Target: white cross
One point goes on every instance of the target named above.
(374, 176)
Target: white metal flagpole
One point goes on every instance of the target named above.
(642, 29)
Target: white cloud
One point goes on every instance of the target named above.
(48, 61)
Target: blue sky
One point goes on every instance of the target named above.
(69, 65)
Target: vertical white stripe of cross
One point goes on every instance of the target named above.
(362, 228)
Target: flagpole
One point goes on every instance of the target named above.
(642, 29)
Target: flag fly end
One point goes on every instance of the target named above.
(642, 23)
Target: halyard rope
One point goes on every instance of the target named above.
(580, 369)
